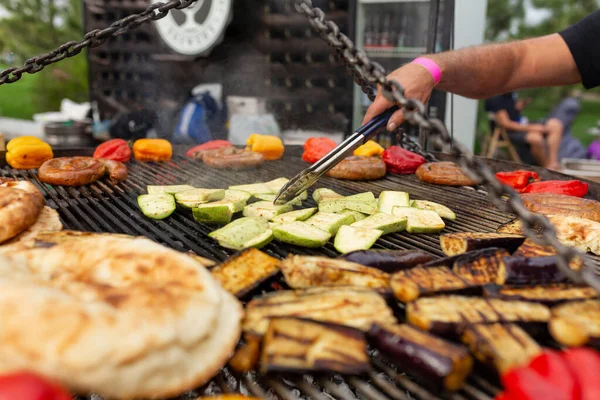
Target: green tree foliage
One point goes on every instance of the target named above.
(502, 16)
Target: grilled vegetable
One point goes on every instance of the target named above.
(325, 194)
(194, 197)
(246, 357)
(410, 284)
(437, 362)
(156, 206)
(212, 213)
(420, 221)
(358, 216)
(526, 270)
(266, 209)
(350, 238)
(389, 199)
(546, 294)
(245, 271)
(514, 227)
(357, 308)
(255, 188)
(370, 149)
(237, 234)
(388, 260)
(441, 209)
(577, 323)
(501, 346)
(154, 150)
(299, 345)
(463, 242)
(305, 271)
(447, 315)
(329, 222)
(27, 152)
(271, 147)
(340, 204)
(531, 249)
(481, 266)
(170, 189)
(276, 184)
(383, 222)
(291, 216)
(316, 148)
(301, 234)
(261, 240)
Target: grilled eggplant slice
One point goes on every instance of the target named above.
(447, 315)
(502, 346)
(245, 271)
(463, 242)
(389, 261)
(576, 323)
(526, 270)
(354, 307)
(411, 284)
(435, 361)
(548, 295)
(299, 345)
(529, 248)
(302, 272)
(480, 267)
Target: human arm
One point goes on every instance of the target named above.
(503, 120)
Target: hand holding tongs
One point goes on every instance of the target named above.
(309, 176)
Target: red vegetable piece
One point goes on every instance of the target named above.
(552, 367)
(570, 188)
(517, 179)
(585, 367)
(28, 386)
(316, 148)
(213, 144)
(527, 384)
(401, 161)
(115, 149)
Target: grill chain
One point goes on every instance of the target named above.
(365, 72)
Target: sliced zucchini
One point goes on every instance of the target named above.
(365, 207)
(255, 188)
(276, 184)
(420, 221)
(199, 196)
(361, 202)
(261, 240)
(239, 232)
(266, 209)
(352, 238)
(213, 213)
(170, 189)
(301, 234)
(271, 198)
(325, 194)
(389, 199)
(355, 214)
(157, 206)
(298, 215)
(383, 222)
(333, 205)
(441, 209)
(237, 196)
(329, 222)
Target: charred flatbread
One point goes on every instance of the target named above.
(20, 206)
(48, 221)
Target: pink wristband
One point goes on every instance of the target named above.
(431, 66)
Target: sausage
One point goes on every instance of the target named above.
(443, 173)
(71, 171)
(117, 171)
(357, 168)
(232, 158)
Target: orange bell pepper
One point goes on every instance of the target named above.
(369, 149)
(152, 150)
(271, 147)
(27, 152)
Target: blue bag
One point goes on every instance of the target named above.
(192, 127)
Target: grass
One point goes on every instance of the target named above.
(17, 99)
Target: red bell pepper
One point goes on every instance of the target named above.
(115, 149)
(570, 188)
(401, 161)
(517, 179)
(317, 148)
(213, 144)
(527, 384)
(28, 386)
(585, 367)
(552, 367)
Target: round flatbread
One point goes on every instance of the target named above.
(124, 318)
(443, 173)
(20, 205)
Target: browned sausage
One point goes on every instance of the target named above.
(232, 158)
(117, 171)
(357, 168)
(443, 173)
(71, 171)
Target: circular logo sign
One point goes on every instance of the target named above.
(196, 29)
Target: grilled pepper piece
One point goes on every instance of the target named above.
(517, 179)
(570, 188)
(299, 345)
(27, 152)
(435, 361)
(152, 150)
(29, 386)
(577, 323)
(401, 161)
(115, 149)
(369, 149)
(317, 148)
(584, 364)
(271, 147)
(463, 242)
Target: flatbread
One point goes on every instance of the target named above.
(124, 318)
(20, 205)
(48, 221)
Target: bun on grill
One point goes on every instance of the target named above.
(124, 318)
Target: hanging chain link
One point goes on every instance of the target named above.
(365, 73)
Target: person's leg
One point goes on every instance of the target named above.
(537, 147)
(554, 132)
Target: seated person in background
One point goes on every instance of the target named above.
(566, 111)
(507, 115)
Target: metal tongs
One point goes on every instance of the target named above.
(311, 175)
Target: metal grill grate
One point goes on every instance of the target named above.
(104, 207)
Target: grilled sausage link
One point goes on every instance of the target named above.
(117, 171)
(357, 168)
(232, 158)
(443, 173)
(71, 171)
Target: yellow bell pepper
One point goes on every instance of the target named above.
(271, 147)
(369, 149)
(152, 150)
(27, 152)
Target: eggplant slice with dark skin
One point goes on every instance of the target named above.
(448, 315)
(437, 362)
(501, 346)
(418, 282)
(532, 270)
(302, 346)
(549, 295)
(464, 242)
(389, 261)
(529, 248)
(480, 267)
(576, 323)
(245, 271)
